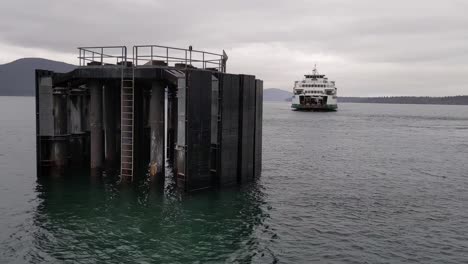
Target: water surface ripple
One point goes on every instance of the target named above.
(368, 184)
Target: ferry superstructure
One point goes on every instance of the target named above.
(315, 92)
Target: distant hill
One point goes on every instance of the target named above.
(17, 78)
(274, 94)
(448, 100)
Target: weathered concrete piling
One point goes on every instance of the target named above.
(133, 115)
(156, 120)
(95, 122)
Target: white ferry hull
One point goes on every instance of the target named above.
(300, 107)
(314, 103)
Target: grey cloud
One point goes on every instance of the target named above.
(357, 38)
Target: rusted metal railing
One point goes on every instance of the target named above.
(143, 54)
(106, 55)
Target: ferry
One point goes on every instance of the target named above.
(314, 93)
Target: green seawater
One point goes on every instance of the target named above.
(369, 183)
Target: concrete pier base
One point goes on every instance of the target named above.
(156, 120)
(103, 115)
(95, 121)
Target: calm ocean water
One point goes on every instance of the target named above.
(368, 184)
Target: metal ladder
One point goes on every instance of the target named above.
(127, 128)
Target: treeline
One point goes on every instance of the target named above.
(448, 100)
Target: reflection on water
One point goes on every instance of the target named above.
(77, 219)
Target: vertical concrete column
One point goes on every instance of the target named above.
(146, 140)
(110, 125)
(171, 123)
(118, 117)
(156, 116)
(44, 121)
(85, 123)
(95, 122)
(60, 141)
(76, 126)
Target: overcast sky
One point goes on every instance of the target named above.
(369, 47)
